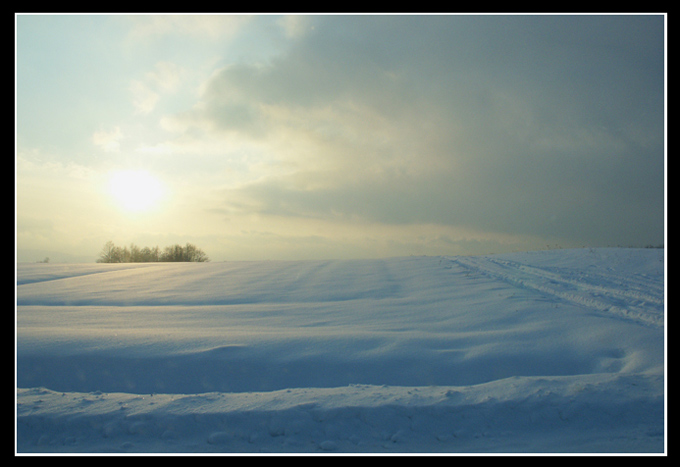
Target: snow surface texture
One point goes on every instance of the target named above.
(553, 351)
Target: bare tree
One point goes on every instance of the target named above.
(174, 253)
(109, 253)
(195, 254)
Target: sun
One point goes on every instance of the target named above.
(135, 190)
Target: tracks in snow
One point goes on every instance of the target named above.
(629, 297)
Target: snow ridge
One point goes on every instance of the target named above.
(357, 418)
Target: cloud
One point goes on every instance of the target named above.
(165, 78)
(144, 27)
(296, 26)
(143, 97)
(109, 141)
(515, 125)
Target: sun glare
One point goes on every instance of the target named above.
(135, 190)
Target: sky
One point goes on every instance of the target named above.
(293, 137)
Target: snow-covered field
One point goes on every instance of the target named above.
(551, 351)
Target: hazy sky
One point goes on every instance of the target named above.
(332, 136)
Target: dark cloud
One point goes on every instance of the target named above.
(535, 125)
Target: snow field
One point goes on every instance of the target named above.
(556, 351)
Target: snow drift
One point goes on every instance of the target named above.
(552, 351)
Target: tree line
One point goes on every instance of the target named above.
(134, 254)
